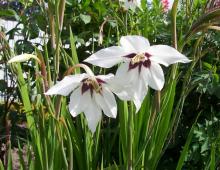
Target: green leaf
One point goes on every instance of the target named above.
(9, 165)
(212, 162)
(186, 146)
(75, 59)
(207, 65)
(86, 18)
(9, 13)
(203, 23)
(1, 165)
(20, 154)
(205, 146)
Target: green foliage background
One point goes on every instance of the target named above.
(191, 123)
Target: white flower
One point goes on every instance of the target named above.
(131, 4)
(140, 66)
(22, 58)
(89, 94)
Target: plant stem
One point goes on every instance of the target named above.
(61, 13)
(130, 139)
(157, 101)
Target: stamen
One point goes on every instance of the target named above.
(92, 84)
(86, 86)
(138, 58)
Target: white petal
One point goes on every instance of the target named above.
(105, 77)
(121, 83)
(138, 3)
(166, 55)
(118, 87)
(132, 4)
(22, 58)
(107, 57)
(93, 115)
(134, 43)
(108, 79)
(65, 86)
(140, 91)
(129, 85)
(106, 102)
(126, 75)
(129, 5)
(122, 69)
(78, 101)
(153, 76)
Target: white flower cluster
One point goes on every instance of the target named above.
(139, 68)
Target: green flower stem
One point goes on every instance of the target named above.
(130, 139)
(58, 106)
(52, 28)
(157, 101)
(61, 13)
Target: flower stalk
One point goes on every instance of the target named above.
(157, 101)
(130, 139)
(61, 13)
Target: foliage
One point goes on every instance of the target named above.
(150, 139)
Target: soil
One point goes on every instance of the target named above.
(14, 155)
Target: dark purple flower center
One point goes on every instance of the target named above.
(92, 85)
(139, 60)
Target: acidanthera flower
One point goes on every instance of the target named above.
(22, 58)
(89, 94)
(140, 66)
(131, 4)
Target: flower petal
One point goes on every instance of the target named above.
(166, 55)
(138, 3)
(129, 85)
(65, 86)
(105, 77)
(106, 101)
(22, 58)
(154, 76)
(107, 57)
(118, 87)
(93, 115)
(134, 43)
(121, 83)
(78, 102)
(140, 91)
(126, 75)
(131, 4)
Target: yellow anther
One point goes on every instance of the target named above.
(138, 58)
(94, 84)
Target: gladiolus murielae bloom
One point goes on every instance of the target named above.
(140, 66)
(23, 58)
(131, 4)
(90, 94)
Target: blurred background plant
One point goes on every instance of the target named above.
(184, 134)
